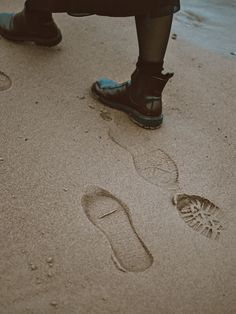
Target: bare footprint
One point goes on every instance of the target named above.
(200, 214)
(112, 217)
(5, 82)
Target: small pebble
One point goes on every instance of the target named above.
(174, 36)
(103, 110)
(91, 107)
(82, 97)
(26, 139)
(49, 260)
(33, 267)
(1, 159)
(233, 53)
(105, 116)
(49, 274)
(65, 190)
(53, 303)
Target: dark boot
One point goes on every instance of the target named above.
(30, 26)
(140, 98)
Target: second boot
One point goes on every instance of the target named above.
(28, 25)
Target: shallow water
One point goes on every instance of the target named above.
(210, 24)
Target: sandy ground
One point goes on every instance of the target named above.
(87, 223)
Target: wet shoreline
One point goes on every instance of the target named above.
(208, 24)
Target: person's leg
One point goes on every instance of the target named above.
(153, 36)
(141, 97)
(31, 24)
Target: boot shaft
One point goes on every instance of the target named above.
(150, 85)
(146, 91)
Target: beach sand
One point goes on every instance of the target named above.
(88, 225)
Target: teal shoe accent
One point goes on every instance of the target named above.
(16, 27)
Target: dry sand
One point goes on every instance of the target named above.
(87, 222)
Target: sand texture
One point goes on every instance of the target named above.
(99, 216)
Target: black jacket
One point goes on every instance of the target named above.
(109, 7)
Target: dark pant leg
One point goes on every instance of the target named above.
(153, 35)
(57, 6)
(48, 5)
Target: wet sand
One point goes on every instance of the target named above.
(88, 220)
(209, 24)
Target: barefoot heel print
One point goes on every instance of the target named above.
(5, 82)
(200, 214)
(112, 217)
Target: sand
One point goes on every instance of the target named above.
(88, 224)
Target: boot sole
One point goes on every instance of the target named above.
(38, 41)
(141, 120)
(79, 14)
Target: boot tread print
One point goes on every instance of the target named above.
(201, 215)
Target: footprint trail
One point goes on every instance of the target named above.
(156, 167)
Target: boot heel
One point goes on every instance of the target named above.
(48, 42)
(151, 123)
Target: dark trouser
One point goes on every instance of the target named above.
(153, 32)
(48, 5)
(119, 8)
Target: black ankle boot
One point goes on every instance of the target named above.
(28, 26)
(140, 98)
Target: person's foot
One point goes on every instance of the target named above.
(140, 98)
(24, 27)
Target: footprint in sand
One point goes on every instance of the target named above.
(5, 82)
(157, 168)
(153, 164)
(112, 217)
(200, 214)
